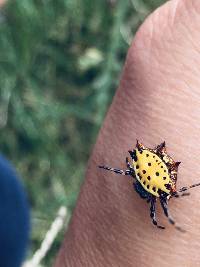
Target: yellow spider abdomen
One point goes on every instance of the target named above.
(151, 172)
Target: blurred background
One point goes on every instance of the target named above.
(60, 63)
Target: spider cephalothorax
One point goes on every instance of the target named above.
(155, 176)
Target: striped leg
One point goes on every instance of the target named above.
(179, 194)
(129, 165)
(126, 172)
(163, 202)
(185, 188)
(133, 155)
(153, 212)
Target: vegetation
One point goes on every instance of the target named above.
(60, 62)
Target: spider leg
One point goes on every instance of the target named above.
(128, 164)
(185, 188)
(123, 172)
(164, 203)
(179, 194)
(133, 155)
(153, 212)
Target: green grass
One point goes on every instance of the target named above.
(59, 68)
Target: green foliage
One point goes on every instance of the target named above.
(59, 68)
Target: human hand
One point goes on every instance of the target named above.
(158, 99)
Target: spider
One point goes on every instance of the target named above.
(155, 176)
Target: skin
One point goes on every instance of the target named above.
(158, 99)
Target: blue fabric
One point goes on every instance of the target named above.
(14, 217)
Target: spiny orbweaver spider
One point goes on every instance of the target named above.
(155, 176)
